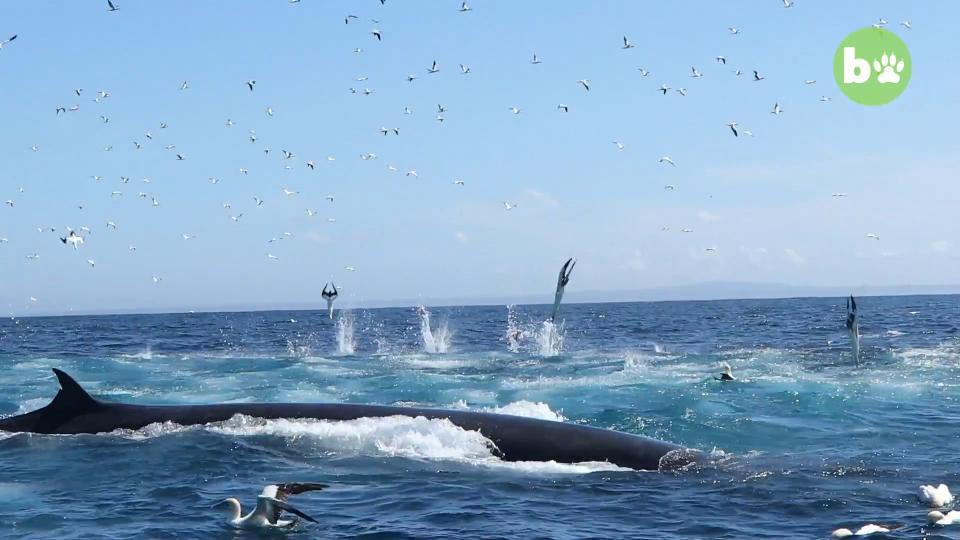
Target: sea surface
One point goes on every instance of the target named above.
(804, 441)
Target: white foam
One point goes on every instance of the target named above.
(529, 409)
(550, 339)
(394, 436)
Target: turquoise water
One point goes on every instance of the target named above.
(804, 442)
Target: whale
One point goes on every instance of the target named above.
(512, 438)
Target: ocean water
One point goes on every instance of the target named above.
(804, 442)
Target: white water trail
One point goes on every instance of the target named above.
(550, 339)
(434, 340)
(346, 344)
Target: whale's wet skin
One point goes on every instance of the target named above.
(802, 443)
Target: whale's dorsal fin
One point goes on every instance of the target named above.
(71, 395)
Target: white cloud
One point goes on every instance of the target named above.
(706, 216)
(756, 256)
(543, 198)
(793, 257)
(941, 246)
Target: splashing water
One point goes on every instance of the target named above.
(514, 331)
(345, 341)
(434, 340)
(550, 339)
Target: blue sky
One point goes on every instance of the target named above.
(763, 202)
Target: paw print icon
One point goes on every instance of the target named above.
(888, 69)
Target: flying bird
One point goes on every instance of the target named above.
(508, 205)
(776, 108)
(873, 236)
(696, 74)
(464, 7)
(619, 145)
(906, 24)
(536, 60)
(626, 43)
(733, 128)
(562, 107)
(664, 88)
(733, 31)
(346, 20)
(666, 159)
(585, 83)
(250, 84)
(434, 68)
(514, 110)
(721, 59)
(464, 69)
(376, 34)
(8, 40)
(643, 72)
(757, 76)
(111, 6)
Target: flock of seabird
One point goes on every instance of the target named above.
(76, 237)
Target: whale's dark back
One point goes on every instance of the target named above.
(514, 438)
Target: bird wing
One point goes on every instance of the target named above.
(272, 500)
(274, 508)
(285, 490)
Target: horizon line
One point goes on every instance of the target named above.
(813, 291)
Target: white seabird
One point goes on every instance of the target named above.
(271, 503)
(939, 518)
(935, 497)
(73, 239)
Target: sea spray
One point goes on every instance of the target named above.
(435, 340)
(515, 332)
(345, 340)
(550, 339)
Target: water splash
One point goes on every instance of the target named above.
(346, 344)
(435, 340)
(515, 332)
(550, 339)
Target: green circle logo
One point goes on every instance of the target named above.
(872, 66)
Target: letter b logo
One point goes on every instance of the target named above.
(855, 70)
(872, 66)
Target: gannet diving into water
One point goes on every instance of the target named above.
(727, 374)
(271, 503)
(329, 296)
(853, 327)
(562, 281)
